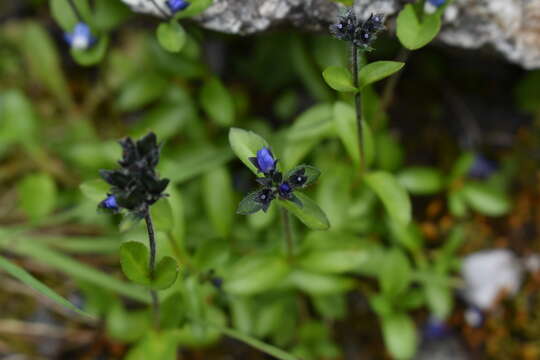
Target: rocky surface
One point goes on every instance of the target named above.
(512, 27)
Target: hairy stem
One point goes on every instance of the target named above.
(152, 266)
(358, 106)
(287, 232)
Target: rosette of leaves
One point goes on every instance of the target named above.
(276, 186)
(135, 186)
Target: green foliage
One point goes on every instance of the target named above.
(339, 78)
(393, 196)
(414, 32)
(217, 102)
(377, 70)
(37, 195)
(171, 36)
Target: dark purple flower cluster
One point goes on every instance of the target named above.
(274, 183)
(362, 34)
(135, 185)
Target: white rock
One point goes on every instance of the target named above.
(487, 273)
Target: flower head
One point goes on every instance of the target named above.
(265, 161)
(481, 168)
(362, 34)
(177, 5)
(81, 38)
(274, 184)
(135, 185)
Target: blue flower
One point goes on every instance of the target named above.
(264, 161)
(109, 203)
(481, 168)
(437, 3)
(285, 190)
(81, 38)
(177, 5)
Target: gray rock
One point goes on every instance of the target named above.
(512, 27)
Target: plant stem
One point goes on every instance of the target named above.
(152, 265)
(287, 232)
(358, 106)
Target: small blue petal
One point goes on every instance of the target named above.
(177, 5)
(110, 203)
(437, 3)
(265, 160)
(81, 38)
(482, 168)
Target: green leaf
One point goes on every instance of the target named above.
(26, 278)
(134, 261)
(162, 215)
(378, 70)
(92, 55)
(155, 345)
(414, 34)
(218, 200)
(18, 123)
(347, 129)
(409, 236)
(421, 180)
(217, 102)
(389, 154)
(310, 214)
(171, 36)
(165, 274)
(314, 123)
(37, 195)
(339, 78)
(395, 273)
(249, 204)
(245, 144)
(319, 284)
(44, 62)
(255, 274)
(126, 326)
(63, 14)
(462, 166)
(109, 14)
(394, 197)
(440, 299)
(400, 336)
(95, 190)
(485, 199)
(140, 91)
(457, 203)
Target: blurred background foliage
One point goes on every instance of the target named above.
(458, 131)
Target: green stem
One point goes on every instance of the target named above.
(152, 266)
(358, 106)
(287, 232)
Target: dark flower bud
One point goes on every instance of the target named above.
(265, 161)
(345, 28)
(298, 178)
(265, 197)
(177, 5)
(367, 33)
(285, 190)
(136, 185)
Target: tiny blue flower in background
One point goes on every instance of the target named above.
(264, 161)
(437, 3)
(435, 329)
(177, 5)
(81, 38)
(482, 168)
